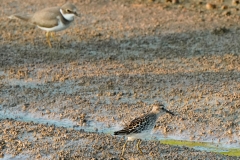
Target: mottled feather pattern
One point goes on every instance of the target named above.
(142, 126)
(138, 125)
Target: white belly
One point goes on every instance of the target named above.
(142, 135)
(59, 27)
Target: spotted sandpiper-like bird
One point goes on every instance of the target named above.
(51, 19)
(142, 126)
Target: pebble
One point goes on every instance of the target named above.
(210, 6)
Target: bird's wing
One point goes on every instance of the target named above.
(46, 17)
(133, 127)
(137, 124)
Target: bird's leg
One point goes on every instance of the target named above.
(48, 40)
(124, 146)
(139, 142)
(53, 35)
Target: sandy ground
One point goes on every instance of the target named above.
(110, 66)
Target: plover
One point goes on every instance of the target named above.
(51, 19)
(142, 126)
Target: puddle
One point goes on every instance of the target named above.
(101, 127)
(92, 126)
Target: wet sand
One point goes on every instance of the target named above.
(36, 141)
(109, 67)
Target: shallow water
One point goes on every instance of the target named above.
(204, 146)
(11, 157)
(94, 126)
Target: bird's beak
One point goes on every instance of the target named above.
(76, 14)
(169, 112)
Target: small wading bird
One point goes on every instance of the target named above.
(51, 19)
(142, 126)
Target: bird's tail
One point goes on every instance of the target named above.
(21, 17)
(121, 132)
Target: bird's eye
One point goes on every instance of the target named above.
(68, 11)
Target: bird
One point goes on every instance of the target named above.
(142, 126)
(51, 19)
